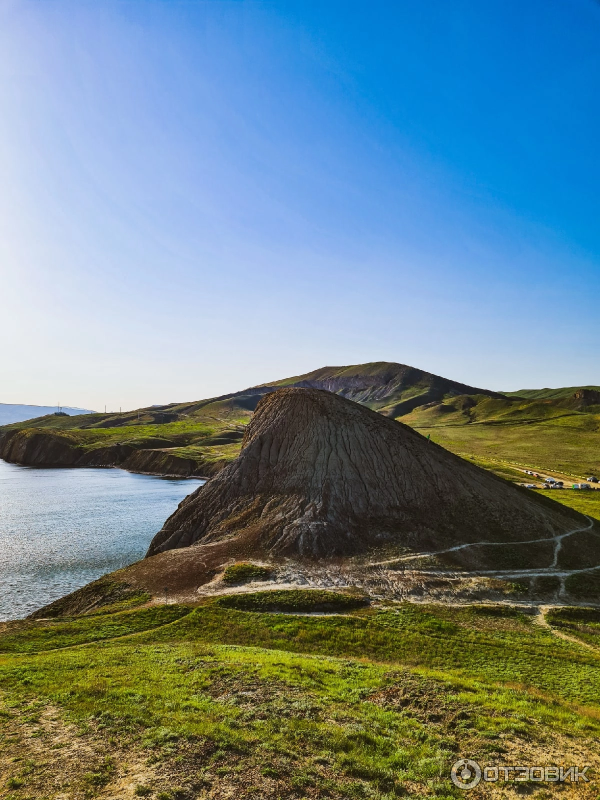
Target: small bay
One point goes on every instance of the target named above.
(61, 528)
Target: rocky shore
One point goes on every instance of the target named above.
(35, 448)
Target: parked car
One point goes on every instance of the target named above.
(592, 479)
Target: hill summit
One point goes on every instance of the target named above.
(321, 476)
(385, 386)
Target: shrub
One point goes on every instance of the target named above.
(244, 573)
(516, 588)
(298, 600)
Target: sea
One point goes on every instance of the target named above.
(61, 528)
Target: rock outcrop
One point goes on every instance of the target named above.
(587, 397)
(321, 476)
(41, 448)
(32, 447)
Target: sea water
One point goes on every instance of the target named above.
(61, 528)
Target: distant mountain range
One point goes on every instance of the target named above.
(14, 412)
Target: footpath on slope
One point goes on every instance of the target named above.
(540, 619)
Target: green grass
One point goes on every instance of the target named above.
(292, 600)
(586, 502)
(529, 435)
(30, 637)
(584, 585)
(370, 705)
(244, 573)
(583, 623)
(550, 394)
(357, 724)
(489, 648)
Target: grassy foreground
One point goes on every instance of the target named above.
(213, 702)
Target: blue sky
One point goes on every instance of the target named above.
(196, 197)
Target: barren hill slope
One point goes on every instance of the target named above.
(389, 387)
(321, 476)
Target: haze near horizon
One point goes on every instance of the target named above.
(201, 197)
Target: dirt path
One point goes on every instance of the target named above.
(556, 539)
(540, 619)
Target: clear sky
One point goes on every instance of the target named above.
(200, 196)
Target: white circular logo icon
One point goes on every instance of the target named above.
(466, 774)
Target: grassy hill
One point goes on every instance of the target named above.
(199, 437)
(174, 440)
(392, 389)
(191, 703)
(547, 429)
(228, 697)
(540, 434)
(14, 412)
(551, 394)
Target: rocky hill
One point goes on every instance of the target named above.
(393, 389)
(326, 493)
(555, 429)
(320, 476)
(199, 438)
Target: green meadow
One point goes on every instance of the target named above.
(178, 702)
(541, 438)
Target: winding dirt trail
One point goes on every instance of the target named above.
(540, 619)
(556, 539)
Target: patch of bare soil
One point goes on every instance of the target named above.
(427, 702)
(43, 756)
(557, 751)
(46, 758)
(377, 581)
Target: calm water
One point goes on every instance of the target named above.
(60, 528)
